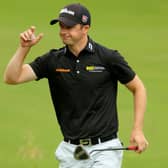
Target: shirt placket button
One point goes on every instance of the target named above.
(77, 61)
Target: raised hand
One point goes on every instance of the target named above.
(28, 37)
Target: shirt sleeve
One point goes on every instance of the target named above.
(120, 68)
(40, 66)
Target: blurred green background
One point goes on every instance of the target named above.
(29, 132)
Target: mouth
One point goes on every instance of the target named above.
(65, 37)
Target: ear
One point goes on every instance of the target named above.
(86, 28)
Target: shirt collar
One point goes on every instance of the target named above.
(89, 46)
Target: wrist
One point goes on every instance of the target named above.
(22, 52)
(22, 47)
(137, 128)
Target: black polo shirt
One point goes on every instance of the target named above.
(84, 88)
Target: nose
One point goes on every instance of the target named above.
(63, 28)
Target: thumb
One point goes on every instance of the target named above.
(39, 37)
(132, 141)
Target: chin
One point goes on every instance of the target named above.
(66, 42)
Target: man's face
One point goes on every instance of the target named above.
(72, 35)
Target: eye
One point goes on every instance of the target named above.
(69, 27)
(64, 26)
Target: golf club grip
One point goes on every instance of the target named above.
(132, 148)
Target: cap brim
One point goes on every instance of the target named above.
(64, 20)
(54, 21)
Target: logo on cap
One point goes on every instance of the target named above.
(84, 18)
(65, 10)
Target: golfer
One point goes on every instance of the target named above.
(82, 77)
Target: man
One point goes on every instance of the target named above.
(83, 78)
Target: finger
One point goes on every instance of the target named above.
(132, 142)
(29, 32)
(28, 35)
(140, 149)
(32, 28)
(142, 146)
(23, 37)
(39, 37)
(31, 35)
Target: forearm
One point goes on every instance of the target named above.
(139, 94)
(14, 68)
(139, 108)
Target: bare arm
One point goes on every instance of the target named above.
(16, 71)
(139, 93)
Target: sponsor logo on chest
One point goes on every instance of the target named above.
(93, 68)
(62, 70)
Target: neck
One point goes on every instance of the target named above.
(78, 47)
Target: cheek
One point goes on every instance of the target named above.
(77, 34)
